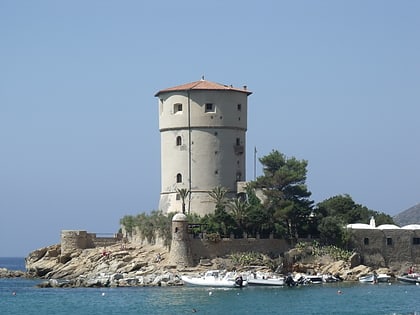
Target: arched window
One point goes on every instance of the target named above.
(178, 178)
(178, 140)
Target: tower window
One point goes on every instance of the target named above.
(366, 241)
(209, 108)
(178, 178)
(238, 176)
(239, 107)
(388, 241)
(416, 240)
(178, 140)
(238, 141)
(177, 108)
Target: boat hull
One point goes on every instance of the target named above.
(212, 279)
(410, 279)
(266, 282)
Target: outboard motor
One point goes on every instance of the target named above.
(239, 281)
(289, 281)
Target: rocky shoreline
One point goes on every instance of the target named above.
(146, 265)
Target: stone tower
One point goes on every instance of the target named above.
(203, 135)
(180, 254)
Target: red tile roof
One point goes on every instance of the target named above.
(204, 85)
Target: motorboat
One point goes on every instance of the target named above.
(263, 279)
(375, 278)
(304, 279)
(328, 278)
(217, 278)
(412, 278)
(314, 279)
(383, 277)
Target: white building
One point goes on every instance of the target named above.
(203, 136)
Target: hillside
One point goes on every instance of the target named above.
(409, 216)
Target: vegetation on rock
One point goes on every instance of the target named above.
(277, 203)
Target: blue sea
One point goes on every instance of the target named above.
(20, 296)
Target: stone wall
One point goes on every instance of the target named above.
(203, 248)
(75, 239)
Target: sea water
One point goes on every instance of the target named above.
(21, 296)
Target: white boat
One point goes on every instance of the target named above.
(328, 278)
(263, 279)
(375, 278)
(370, 278)
(315, 279)
(217, 278)
(413, 278)
(383, 277)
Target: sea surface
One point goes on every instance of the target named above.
(20, 296)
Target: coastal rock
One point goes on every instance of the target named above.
(142, 265)
(148, 265)
(6, 273)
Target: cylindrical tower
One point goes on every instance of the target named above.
(203, 135)
(180, 250)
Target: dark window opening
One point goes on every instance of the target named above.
(177, 108)
(366, 241)
(239, 107)
(416, 240)
(209, 107)
(388, 241)
(178, 140)
(238, 141)
(178, 178)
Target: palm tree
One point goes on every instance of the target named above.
(218, 196)
(183, 193)
(239, 209)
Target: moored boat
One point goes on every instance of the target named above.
(375, 278)
(262, 279)
(411, 278)
(314, 279)
(383, 277)
(217, 278)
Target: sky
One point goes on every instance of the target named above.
(335, 83)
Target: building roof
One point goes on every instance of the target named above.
(411, 227)
(204, 85)
(360, 226)
(388, 227)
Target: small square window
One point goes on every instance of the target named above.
(416, 240)
(209, 108)
(366, 241)
(388, 241)
(177, 108)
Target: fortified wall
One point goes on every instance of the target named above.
(75, 239)
(187, 250)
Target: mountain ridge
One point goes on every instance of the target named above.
(409, 216)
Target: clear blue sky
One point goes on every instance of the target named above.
(334, 82)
